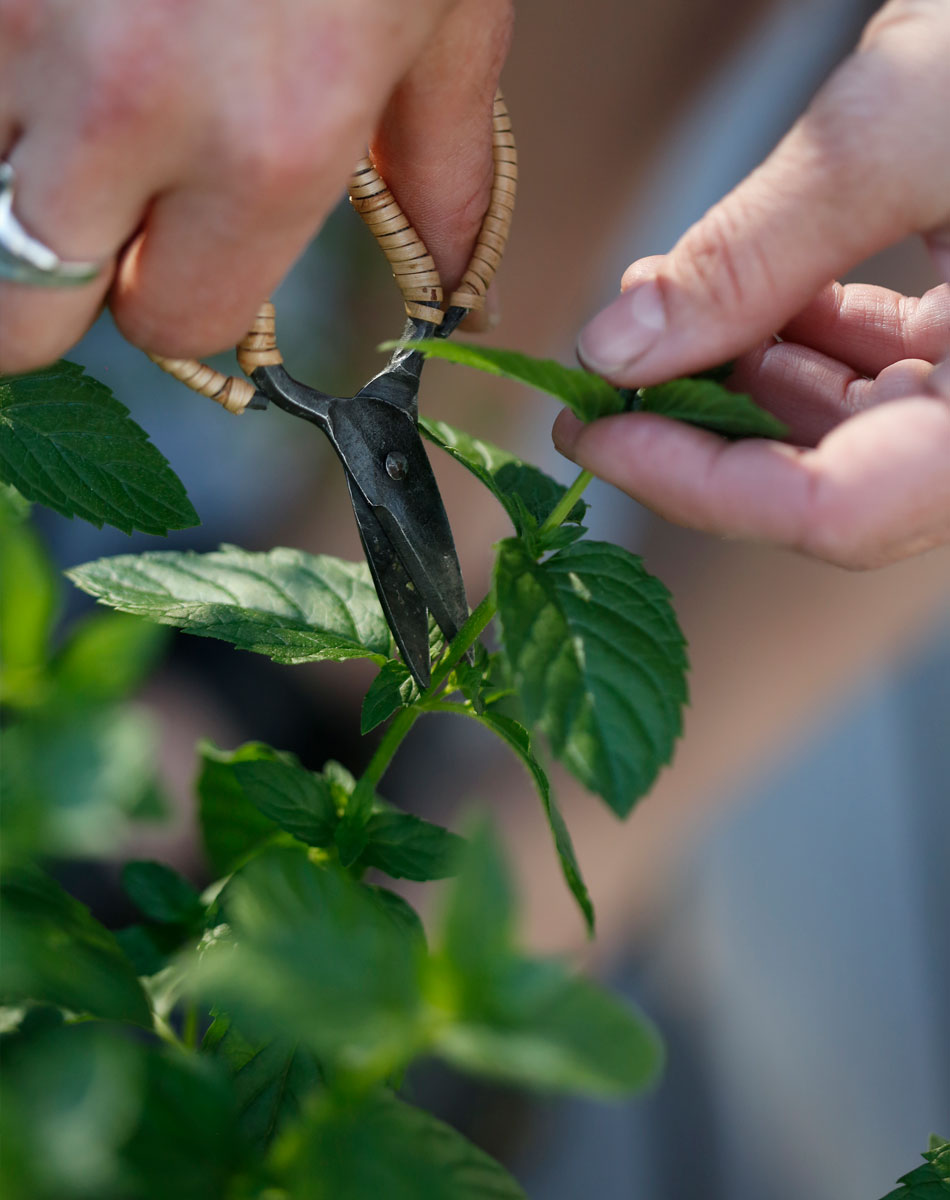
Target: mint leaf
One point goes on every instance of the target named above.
(587, 395)
(386, 1148)
(478, 924)
(520, 487)
(547, 1030)
(521, 1019)
(272, 1080)
(29, 597)
(56, 952)
(928, 1182)
(185, 1145)
(70, 1098)
(392, 689)
(318, 957)
(65, 441)
(707, 403)
(72, 780)
(598, 661)
(231, 827)
(406, 847)
(107, 656)
(518, 738)
(293, 607)
(13, 506)
(161, 894)
(300, 802)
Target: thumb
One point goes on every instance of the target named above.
(865, 165)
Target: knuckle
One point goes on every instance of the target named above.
(719, 260)
(128, 88)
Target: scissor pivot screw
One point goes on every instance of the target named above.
(397, 465)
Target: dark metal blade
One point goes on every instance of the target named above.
(384, 456)
(403, 605)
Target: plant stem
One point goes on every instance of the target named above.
(563, 507)
(392, 739)
(189, 1032)
(466, 637)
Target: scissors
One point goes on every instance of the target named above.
(402, 522)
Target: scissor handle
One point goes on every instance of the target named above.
(413, 267)
(412, 264)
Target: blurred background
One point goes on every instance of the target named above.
(779, 903)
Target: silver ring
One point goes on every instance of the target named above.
(25, 259)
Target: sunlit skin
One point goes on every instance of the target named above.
(199, 147)
(861, 374)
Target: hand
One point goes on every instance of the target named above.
(868, 481)
(200, 146)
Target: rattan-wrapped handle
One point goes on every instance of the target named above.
(412, 264)
(258, 348)
(413, 267)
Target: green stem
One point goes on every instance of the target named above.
(562, 509)
(466, 637)
(189, 1032)
(362, 796)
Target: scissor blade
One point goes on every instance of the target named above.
(386, 462)
(403, 606)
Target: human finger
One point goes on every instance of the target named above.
(278, 146)
(871, 327)
(876, 489)
(829, 195)
(434, 142)
(75, 190)
(811, 392)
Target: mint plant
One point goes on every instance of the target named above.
(251, 1040)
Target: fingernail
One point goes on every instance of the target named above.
(624, 331)
(939, 381)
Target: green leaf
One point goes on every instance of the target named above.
(108, 655)
(272, 1080)
(29, 597)
(101, 1116)
(402, 915)
(318, 957)
(66, 442)
(521, 488)
(478, 926)
(520, 1019)
(406, 847)
(928, 1182)
(383, 1147)
(598, 661)
(185, 1145)
(161, 894)
(231, 827)
(13, 507)
(587, 395)
(518, 738)
(293, 607)
(392, 689)
(71, 1098)
(707, 403)
(55, 952)
(300, 802)
(149, 947)
(550, 1031)
(72, 780)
